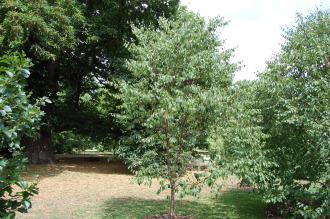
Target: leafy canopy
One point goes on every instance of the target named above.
(178, 74)
(43, 29)
(76, 48)
(237, 140)
(294, 97)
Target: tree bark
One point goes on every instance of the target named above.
(171, 173)
(172, 204)
(40, 150)
(78, 91)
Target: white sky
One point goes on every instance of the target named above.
(255, 27)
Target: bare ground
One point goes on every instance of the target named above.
(79, 189)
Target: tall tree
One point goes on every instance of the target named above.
(170, 100)
(294, 98)
(237, 141)
(45, 31)
(100, 56)
(75, 46)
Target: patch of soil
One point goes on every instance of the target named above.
(167, 216)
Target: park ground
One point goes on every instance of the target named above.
(78, 188)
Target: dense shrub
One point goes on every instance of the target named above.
(17, 118)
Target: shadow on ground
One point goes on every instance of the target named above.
(232, 204)
(75, 165)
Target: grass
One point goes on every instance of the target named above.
(232, 204)
(82, 188)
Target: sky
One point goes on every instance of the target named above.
(256, 26)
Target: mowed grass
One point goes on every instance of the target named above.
(231, 204)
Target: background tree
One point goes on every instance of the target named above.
(169, 101)
(294, 98)
(237, 141)
(46, 32)
(17, 118)
(98, 59)
(76, 47)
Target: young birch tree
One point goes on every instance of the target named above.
(178, 75)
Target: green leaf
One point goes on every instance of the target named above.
(10, 74)
(27, 204)
(7, 108)
(25, 73)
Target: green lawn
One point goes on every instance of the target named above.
(232, 204)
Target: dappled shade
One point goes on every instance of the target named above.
(231, 204)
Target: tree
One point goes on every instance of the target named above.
(170, 99)
(100, 57)
(237, 141)
(76, 47)
(46, 32)
(17, 118)
(294, 99)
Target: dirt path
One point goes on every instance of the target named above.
(76, 189)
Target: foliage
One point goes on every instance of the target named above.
(99, 58)
(90, 127)
(170, 101)
(237, 140)
(72, 141)
(69, 141)
(76, 48)
(46, 32)
(43, 29)
(17, 118)
(294, 98)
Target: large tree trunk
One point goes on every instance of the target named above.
(40, 150)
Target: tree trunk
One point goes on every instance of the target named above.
(77, 93)
(171, 173)
(172, 204)
(40, 150)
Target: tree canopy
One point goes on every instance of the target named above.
(154, 82)
(169, 103)
(76, 48)
(294, 99)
